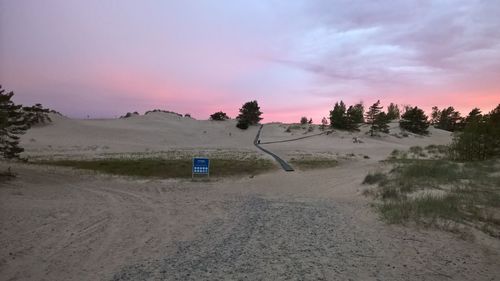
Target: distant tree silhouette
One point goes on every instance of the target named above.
(249, 115)
(474, 114)
(324, 123)
(343, 119)
(393, 111)
(36, 114)
(303, 120)
(219, 116)
(352, 118)
(435, 115)
(13, 122)
(381, 123)
(480, 138)
(338, 116)
(310, 121)
(414, 120)
(377, 122)
(447, 119)
(242, 124)
(356, 113)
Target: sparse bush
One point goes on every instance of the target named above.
(324, 123)
(416, 150)
(188, 115)
(219, 116)
(129, 114)
(374, 178)
(453, 193)
(164, 111)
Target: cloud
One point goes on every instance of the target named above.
(287, 54)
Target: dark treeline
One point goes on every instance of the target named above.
(476, 136)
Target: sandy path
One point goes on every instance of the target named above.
(59, 224)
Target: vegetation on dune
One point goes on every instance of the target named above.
(161, 110)
(249, 115)
(167, 168)
(324, 124)
(219, 116)
(37, 114)
(304, 120)
(414, 120)
(13, 123)
(447, 119)
(437, 191)
(310, 164)
(480, 137)
(377, 119)
(129, 114)
(393, 112)
(346, 119)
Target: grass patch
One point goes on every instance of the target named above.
(439, 192)
(310, 164)
(167, 168)
(374, 178)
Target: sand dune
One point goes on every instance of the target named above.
(64, 224)
(159, 131)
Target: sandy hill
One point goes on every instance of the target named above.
(161, 131)
(145, 133)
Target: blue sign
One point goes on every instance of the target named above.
(201, 166)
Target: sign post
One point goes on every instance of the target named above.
(201, 166)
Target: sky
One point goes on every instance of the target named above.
(103, 58)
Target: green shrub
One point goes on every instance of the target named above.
(374, 178)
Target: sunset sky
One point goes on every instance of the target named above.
(105, 58)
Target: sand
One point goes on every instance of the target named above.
(64, 224)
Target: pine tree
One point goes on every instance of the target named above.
(415, 121)
(324, 123)
(435, 115)
(449, 119)
(393, 112)
(371, 117)
(12, 124)
(474, 114)
(382, 122)
(357, 113)
(338, 116)
(480, 138)
(249, 115)
(36, 114)
(352, 118)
